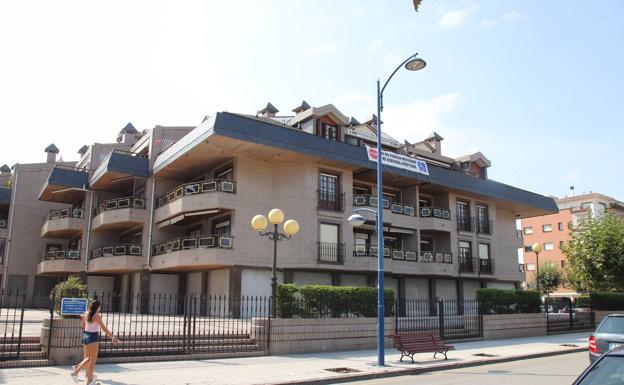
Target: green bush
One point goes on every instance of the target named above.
(73, 287)
(607, 300)
(583, 301)
(320, 301)
(499, 301)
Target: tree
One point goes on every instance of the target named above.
(550, 278)
(595, 254)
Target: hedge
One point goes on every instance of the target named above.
(607, 300)
(499, 301)
(318, 301)
(73, 287)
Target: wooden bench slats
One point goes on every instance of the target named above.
(410, 343)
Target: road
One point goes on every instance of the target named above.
(556, 370)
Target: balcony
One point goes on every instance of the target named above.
(467, 265)
(117, 171)
(394, 207)
(435, 218)
(486, 266)
(65, 185)
(331, 202)
(119, 214)
(403, 255)
(116, 259)
(63, 223)
(333, 253)
(60, 262)
(192, 200)
(465, 223)
(484, 227)
(191, 253)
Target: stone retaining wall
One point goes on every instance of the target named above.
(514, 325)
(66, 341)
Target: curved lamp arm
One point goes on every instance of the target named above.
(365, 209)
(391, 75)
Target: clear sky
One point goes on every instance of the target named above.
(536, 86)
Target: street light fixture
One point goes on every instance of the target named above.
(290, 227)
(537, 248)
(412, 63)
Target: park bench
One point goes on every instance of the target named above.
(411, 343)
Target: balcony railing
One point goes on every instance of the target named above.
(76, 212)
(484, 226)
(395, 207)
(120, 203)
(198, 242)
(3, 223)
(62, 254)
(486, 266)
(333, 202)
(435, 212)
(465, 223)
(331, 252)
(196, 188)
(403, 255)
(110, 251)
(467, 265)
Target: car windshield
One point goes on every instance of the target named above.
(611, 325)
(609, 371)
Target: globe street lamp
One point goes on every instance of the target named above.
(412, 63)
(290, 227)
(537, 248)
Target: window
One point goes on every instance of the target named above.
(483, 220)
(225, 174)
(528, 248)
(329, 131)
(561, 244)
(528, 230)
(194, 231)
(484, 251)
(465, 250)
(329, 192)
(424, 202)
(463, 215)
(426, 244)
(547, 228)
(586, 205)
(352, 140)
(560, 226)
(222, 228)
(357, 190)
(549, 246)
(328, 233)
(392, 242)
(530, 267)
(307, 126)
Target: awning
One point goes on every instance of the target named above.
(118, 170)
(179, 218)
(65, 185)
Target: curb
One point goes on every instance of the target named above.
(437, 368)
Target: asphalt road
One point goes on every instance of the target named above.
(556, 370)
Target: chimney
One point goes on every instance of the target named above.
(83, 150)
(5, 170)
(269, 111)
(435, 141)
(572, 190)
(128, 135)
(51, 150)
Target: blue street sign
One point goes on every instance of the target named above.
(73, 306)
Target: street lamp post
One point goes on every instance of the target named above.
(291, 227)
(412, 63)
(537, 248)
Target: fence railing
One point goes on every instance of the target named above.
(11, 324)
(198, 242)
(394, 206)
(109, 251)
(75, 212)
(484, 226)
(120, 203)
(330, 252)
(450, 318)
(360, 250)
(197, 188)
(333, 202)
(435, 212)
(61, 254)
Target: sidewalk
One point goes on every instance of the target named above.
(305, 368)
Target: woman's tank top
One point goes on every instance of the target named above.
(91, 327)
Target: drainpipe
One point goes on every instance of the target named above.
(88, 240)
(14, 184)
(150, 226)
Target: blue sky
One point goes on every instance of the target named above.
(534, 85)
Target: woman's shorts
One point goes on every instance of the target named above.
(90, 337)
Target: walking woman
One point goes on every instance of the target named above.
(91, 322)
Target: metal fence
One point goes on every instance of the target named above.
(11, 324)
(563, 315)
(450, 318)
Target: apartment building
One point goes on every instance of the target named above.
(553, 232)
(167, 211)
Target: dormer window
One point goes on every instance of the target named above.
(329, 131)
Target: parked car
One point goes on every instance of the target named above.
(607, 369)
(607, 336)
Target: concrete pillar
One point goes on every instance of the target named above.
(401, 296)
(460, 296)
(203, 303)
(433, 297)
(144, 291)
(235, 291)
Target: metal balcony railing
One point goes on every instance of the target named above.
(3, 223)
(110, 251)
(333, 202)
(486, 266)
(466, 265)
(465, 223)
(197, 242)
(75, 212)
(61, 254)
(484, 226)
(435, 212)
(403, 255)
(394, 206)
(330, 252)
(120, 203)
(197, 188)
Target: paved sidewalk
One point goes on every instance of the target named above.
(305, 368)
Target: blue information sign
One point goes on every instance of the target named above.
(73, 306)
